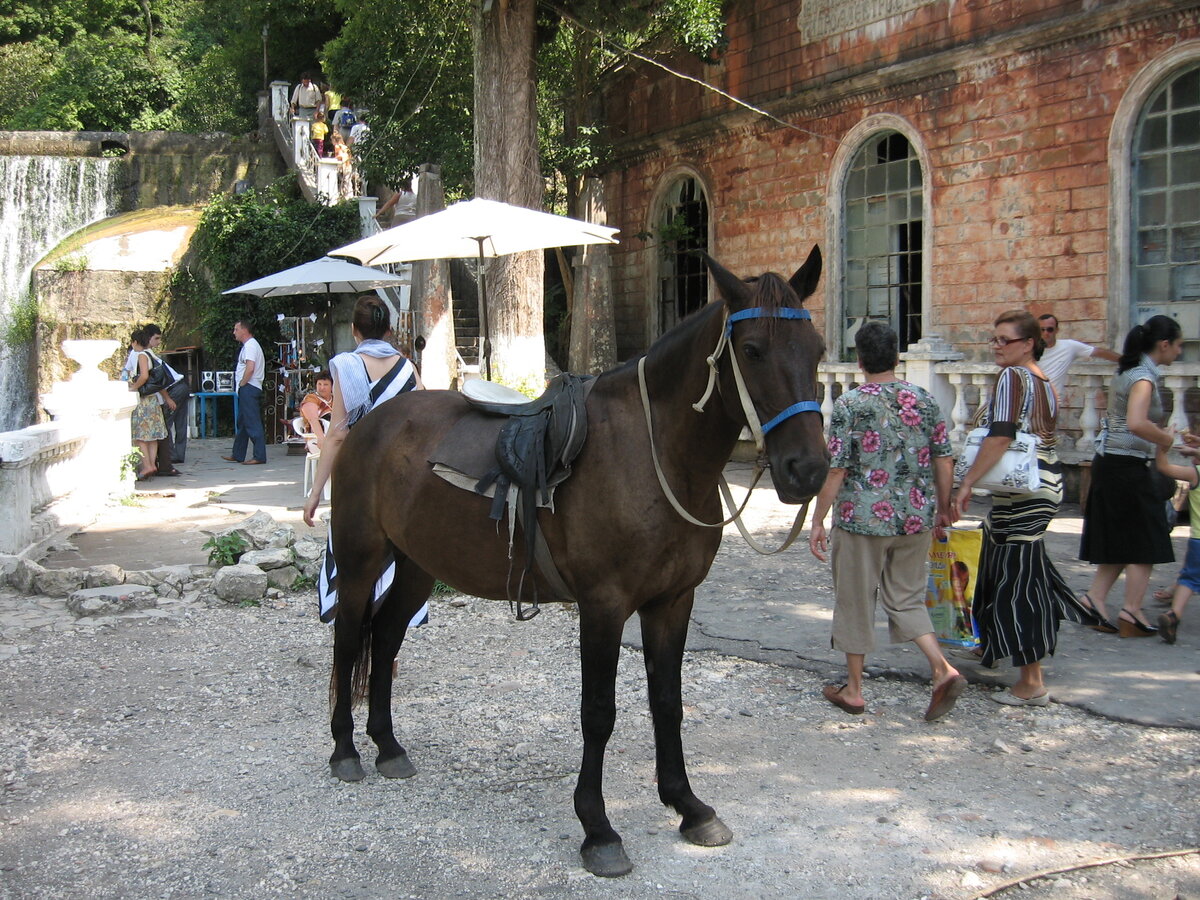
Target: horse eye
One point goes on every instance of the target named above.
(751, 351)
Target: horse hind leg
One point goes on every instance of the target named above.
(664, 633)
(410, 589)
(351, 637)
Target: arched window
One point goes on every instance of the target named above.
(883, 238)
(682, 227)
(1165, 205)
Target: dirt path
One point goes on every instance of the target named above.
(187, 759)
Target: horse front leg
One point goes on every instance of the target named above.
(409, 590)
(664, 634)
(599, 648)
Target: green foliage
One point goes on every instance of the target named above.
(225, 549)
(303, 583)
(72, 262)
(245, 236)
(410, 63)
(20, 324)
(441, 589)
(130, 463)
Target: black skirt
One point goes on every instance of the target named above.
(1124, 523)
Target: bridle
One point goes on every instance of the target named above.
(758, 430)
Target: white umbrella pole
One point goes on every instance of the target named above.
(483, 304)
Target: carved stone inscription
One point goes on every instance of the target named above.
(821, 18)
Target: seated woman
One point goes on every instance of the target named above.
(316, 409)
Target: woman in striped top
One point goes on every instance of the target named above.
(1020, 597)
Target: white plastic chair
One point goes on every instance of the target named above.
(312, 455)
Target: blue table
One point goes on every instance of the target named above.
(203, 398)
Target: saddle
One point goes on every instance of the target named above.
(517, 453)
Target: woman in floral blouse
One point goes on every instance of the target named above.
(889, 483)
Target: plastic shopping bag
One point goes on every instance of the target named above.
(950, 586)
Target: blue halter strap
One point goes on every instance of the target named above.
(758, 312)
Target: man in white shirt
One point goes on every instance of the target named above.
(251, 366)
(1060, 353)
(359, 129)
(306, 97)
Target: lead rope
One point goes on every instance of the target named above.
(755, 426)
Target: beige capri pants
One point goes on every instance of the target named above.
(890, 568)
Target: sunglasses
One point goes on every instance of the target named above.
(998, 341)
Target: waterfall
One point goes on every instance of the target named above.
(43, 199)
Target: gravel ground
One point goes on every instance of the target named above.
(186, 757)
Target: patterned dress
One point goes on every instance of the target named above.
(146, 421)
(1020, 597)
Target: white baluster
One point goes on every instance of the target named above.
(1089, 413)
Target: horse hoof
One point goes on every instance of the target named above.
(606, 860)
(396, 767)
(348, 769)
(713, 833)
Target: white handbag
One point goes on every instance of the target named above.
(1016, 472)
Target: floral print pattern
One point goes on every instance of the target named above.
(886, 436)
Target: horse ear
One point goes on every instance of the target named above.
(804, 282)
(732, 288)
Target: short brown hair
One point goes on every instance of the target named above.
(1027, 327)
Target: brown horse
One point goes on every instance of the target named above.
(617, 544)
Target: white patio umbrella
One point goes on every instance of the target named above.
(321, 276)
(476, 229)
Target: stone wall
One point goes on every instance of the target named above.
(162, 168)
(1009, 104)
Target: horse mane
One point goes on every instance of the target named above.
(771, 292)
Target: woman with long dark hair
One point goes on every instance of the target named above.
(1124, 526)
(1020, 597)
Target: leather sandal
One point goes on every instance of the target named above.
(1168, 626)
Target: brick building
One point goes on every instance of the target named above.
(953, 158)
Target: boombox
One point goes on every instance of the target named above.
(208, 383)
(224, 382)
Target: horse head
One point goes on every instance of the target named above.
(777, 350)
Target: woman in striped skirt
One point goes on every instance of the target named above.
(1020, 597)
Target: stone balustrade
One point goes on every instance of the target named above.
(962, 386)
(58, 475)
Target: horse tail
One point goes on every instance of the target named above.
(360, 674)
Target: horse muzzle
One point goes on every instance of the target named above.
(798, 477)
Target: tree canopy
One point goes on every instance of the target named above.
(197, 65)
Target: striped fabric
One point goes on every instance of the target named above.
(400, 378)
(1020, 597)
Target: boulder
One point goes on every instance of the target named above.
(59, 582)
(274, 558)
(283, 578)
(104, 575)
(283, 536)
(309, 555)
(24, 575)
(8, 565)
(108, 600)
(256, 530)
(241, 582)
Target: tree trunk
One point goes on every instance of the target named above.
(592, 347)
(433, 318)
(507, 169)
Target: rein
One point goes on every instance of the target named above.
(758, 431)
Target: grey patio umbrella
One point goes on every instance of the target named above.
(476, 229)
